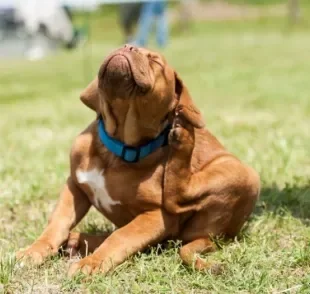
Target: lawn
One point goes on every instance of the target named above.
(250, 80)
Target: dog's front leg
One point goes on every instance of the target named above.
(71, 208)
(146, 229)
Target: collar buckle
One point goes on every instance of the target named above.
(131, 149)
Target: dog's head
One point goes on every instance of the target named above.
(136, 92)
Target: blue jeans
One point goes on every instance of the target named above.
(150, 11)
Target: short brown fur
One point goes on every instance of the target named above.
(191, 190)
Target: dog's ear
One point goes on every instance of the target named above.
(90, 95)
(186, 105)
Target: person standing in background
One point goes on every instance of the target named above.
(153, 11)
(129, 16)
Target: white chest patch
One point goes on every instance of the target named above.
(96, 182)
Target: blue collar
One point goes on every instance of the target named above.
(129, 153)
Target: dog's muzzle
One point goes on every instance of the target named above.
(118, 71)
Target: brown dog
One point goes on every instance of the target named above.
(190, 190)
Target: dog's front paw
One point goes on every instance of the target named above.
(36, 254)
(88, 266)
(181, 136)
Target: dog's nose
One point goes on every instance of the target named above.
(128, 47)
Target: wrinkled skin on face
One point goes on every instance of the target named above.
(136, 92)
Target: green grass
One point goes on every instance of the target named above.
(251, 83)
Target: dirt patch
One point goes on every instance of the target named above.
(221, 11)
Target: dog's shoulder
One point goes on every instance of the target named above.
(83, 146)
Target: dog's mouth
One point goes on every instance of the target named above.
(124, 71)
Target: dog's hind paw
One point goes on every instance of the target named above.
(181, 136)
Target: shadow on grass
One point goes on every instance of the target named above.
(293, 198)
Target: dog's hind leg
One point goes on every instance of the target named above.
(185, 190)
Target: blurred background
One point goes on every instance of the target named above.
(32, 29)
